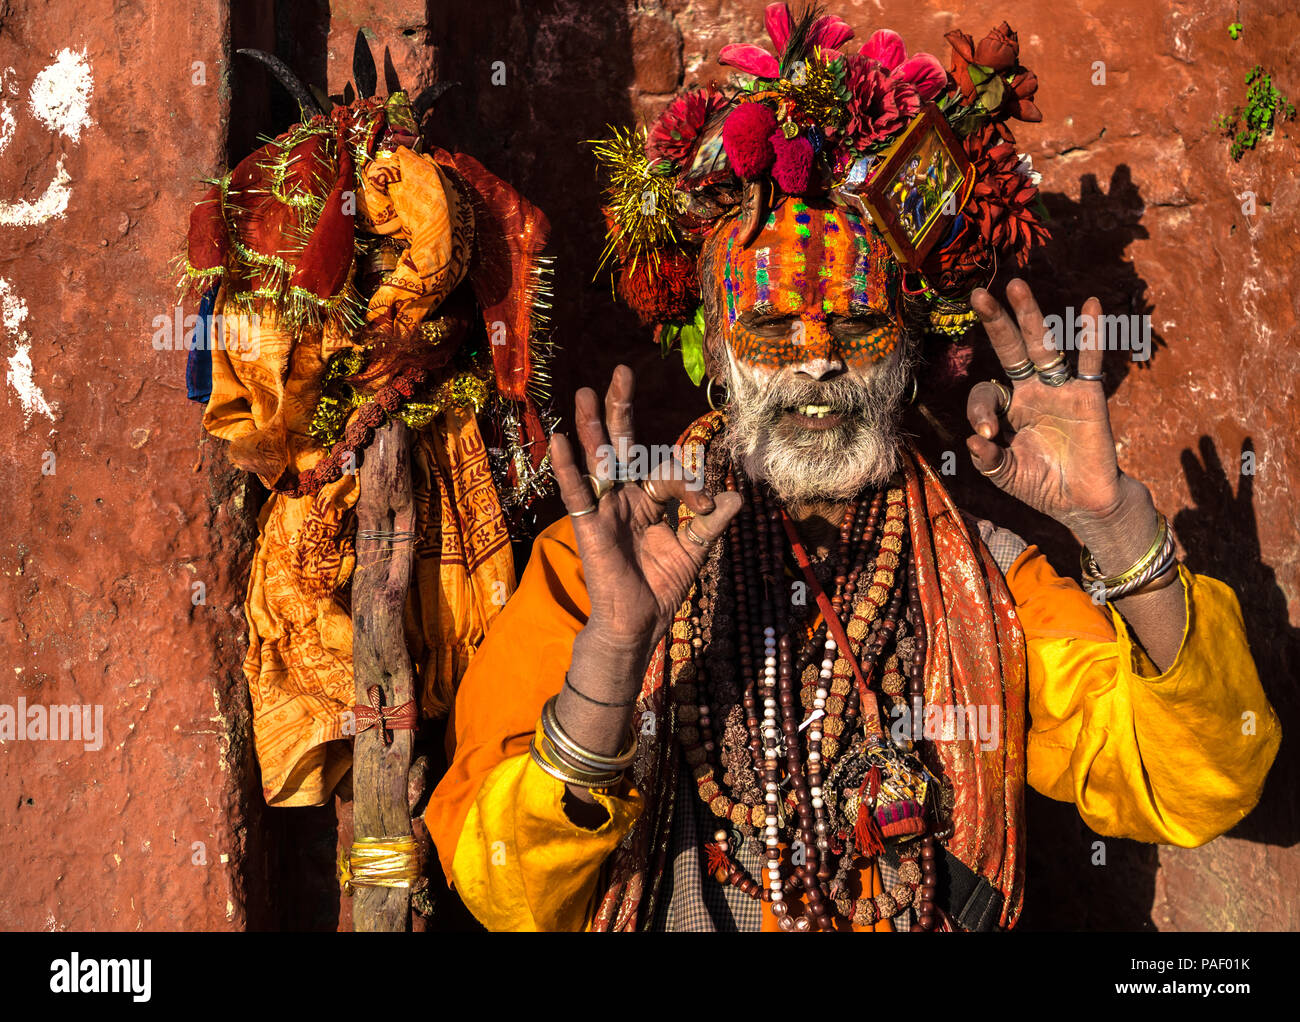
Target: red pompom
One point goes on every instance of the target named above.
(792, 168)
(668, 293)
(746, 138)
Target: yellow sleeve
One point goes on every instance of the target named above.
(498, 820)
(1174, 758)
(522, 863)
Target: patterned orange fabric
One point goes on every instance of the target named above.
(410, 199)
(299, 660)
(975, 656)
(464, 568)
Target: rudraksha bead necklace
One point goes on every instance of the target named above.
(785, 800)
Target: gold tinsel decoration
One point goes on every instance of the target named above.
(641, 202)
(819, 95)
(952, 324)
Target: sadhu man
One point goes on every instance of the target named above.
(782, 683)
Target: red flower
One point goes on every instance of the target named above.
(676, 133)
(999, 51)
(666, 294)
(1001, 201)
(886, 89)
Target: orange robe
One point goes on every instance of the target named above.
(1175, 758)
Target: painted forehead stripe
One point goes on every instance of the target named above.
(762, 285)
(844, 250)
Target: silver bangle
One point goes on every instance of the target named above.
(1164, 561)
(571, 751)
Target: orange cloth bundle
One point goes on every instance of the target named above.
(299, 661)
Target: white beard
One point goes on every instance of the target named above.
(807, 465)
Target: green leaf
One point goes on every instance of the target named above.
(978, 73)
(692, 338)
(991, 94)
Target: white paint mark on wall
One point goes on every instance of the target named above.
(13, 310)
(13, 313)
(60, 99)
(7, 122)
(51, 205)
(60, 96)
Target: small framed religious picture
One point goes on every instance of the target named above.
(917, 188)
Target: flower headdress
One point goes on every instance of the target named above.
(808, 119)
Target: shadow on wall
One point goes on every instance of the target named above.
(568, 66)
(1221, 537)
(1064, 889)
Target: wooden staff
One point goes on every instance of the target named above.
(382, 755)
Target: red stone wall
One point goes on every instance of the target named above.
(100, 557)
(114, 506)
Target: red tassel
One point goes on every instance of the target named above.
(716, 859)
(867, 832)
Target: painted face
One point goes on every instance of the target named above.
(817, 284)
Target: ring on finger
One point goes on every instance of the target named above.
(693, 537)
(1088, 377)
(648, 486)
(585, 511)
(996, 468)
(600, 487)
(1056, 372)
(1004, 396)
(1058, 377)
(1021, 370)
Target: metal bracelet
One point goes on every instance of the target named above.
(1093, 573)
(592, 782)
(1156, 562)
(596, 702)
(572, 752)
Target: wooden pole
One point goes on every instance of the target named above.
(379, 657)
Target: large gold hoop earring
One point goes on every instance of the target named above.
(911, 391)
(708, 395)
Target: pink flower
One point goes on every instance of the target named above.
(887, 89)
(828, 32)
(676, 133)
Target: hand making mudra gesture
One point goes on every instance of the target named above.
(1044, 438)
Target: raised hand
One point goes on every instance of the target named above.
(637, 568)
(1059, 457)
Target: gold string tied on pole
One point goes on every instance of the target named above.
(379, 862)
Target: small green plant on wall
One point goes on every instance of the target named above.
(1265, 106)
